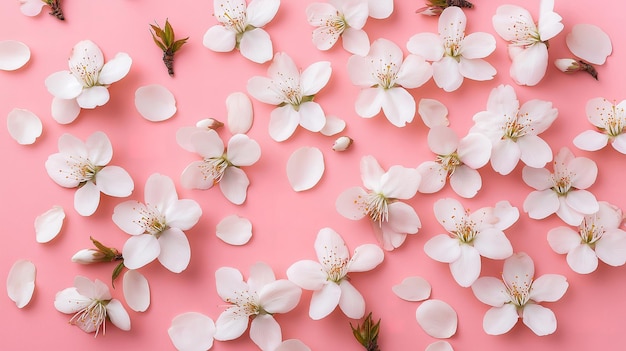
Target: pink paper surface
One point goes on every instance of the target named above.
(591, 315)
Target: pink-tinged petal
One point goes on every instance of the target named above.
(99, 149)
(518, 270)
(449, 213)
(492, 243)
(499, 320)
(87, 199)
(447, 75)
(465, 181)
(155, 103)
(506, 17)
(350, 203)
(234, 185)
(380, 9)
(283, 122)
(325, 38)
(93, 97)
(95, 290)
(370, 101)
(599, 111)
(292, 345)
(64, 111)
(71, 145)
(175, 251)
(433, 177)
(466, 269)
(535, 152)
(256, 45)
(582, 259)
(412, 289)
(443, 248)
(265, 332)
(442, 140)
(261, 274)
(358, 71)
(474, 150)
(192, 331)
(305, 168)
(231, 324)
(365, 258)
(280, 296)
(261, 12)
(611, 248)
(505, 156)
(219, 39)
(307, 274)
(324, 301)
(315, 77)
(242, 151)
(351, 302)
(437, 318)
(127, 217)
(427, 45)
(63, 85)
(539, 319)
(355, 41)
(240, 115)
(334, 125)
(583, 172)
(48, 224)
(283, 66)
(529, 66)
(140, 250)
(414, 72)
(439, 346)
(490, 291)
(21, 282)
(563, 239)
(582, 201)
(568, 214)
(116, 69)
(70, 301)
(549, 24)
(354, 11)
(136, 290)
(114, 181)
(229, 283)
(117, 315)
(549, 288)
(538, 178)
(433, 113)
(476, 69)
(590, 43)
(400, 182)
(541, 204)
(538, 114)
(506, 215)
(451, 24)
(388, 237)
(86, 57)
(311, 116)
(371, 172)
(207, 143)
(478, 45)
(193, 177)
(31, 7)
(13, 55)
(262, 89)
(403, 218)
(24, 126)
(329, 247)
(234, 230)
(160, 191)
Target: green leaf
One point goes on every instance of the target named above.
(178, 44)
(169, 34)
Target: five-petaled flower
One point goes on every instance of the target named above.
(84, 165)
(240, 26)
(292, 92)
(518, 295)
(513, 130)
(471, 235)
(564, 191)
(92, 304)
(391, 219)
(259, 298)
(85, 84)
(610, 120)
(340, 18)
(221, 165)
(157, 226)
(329, 277)
(455, 56)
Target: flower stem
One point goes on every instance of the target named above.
(55, 6)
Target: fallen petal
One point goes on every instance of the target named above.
(13, 55)
(192, 331)
(412, 289)
(439, 346)
(21, 282)
(305, 168)
(437, 318)
(234, 230)
(136, 290)
(334, 125)
(155, 103)
(24, 126)
(590, 43)
(433, 113)
(240, 114)
(48, 224)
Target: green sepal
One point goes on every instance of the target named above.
(116, 273)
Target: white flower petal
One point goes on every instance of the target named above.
(433, 113)
(380, 9)
(334, 125)
(234, 185)
(87, 199)
(64, 111)
(283, 122)
(488, 290)
(31, 7)
(611, 249)
(355, 41)
(265, 332)
(242, 151)
(398, 106)
(115, 69)
(139, 250)
(563, 239)
(93, 97)
(412, 289)
(433, 177)
(48, 224)
(231, 324)
(13, 55)
(499, 320)
(175, 252)
(117, 314)
(240, 115)
(219, 39)
(591, 140)
(466, 182)
(324, 301)
(292, 345)
(21, 282)
(155, 103)
(63, 85)
(136, 290)
(256, 45)
(351, 302)
(192, 331)
(590, 43)
(492, 243)
(466, 269)
(446, 74)
(541, 204)
(234, 230)
(305, 168)
(549, 288)
(261, 12)
(114, 181)
(280, 296)
(307, 274)
(437, 318)
(539, 319)
(24, 126)
(440, 345)
(443, 248)
(529, 66)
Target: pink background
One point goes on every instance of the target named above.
(591, 315)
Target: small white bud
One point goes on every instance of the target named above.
(209, 123)
(567, 65)
(342, 143)
(88, 256)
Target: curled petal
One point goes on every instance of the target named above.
(412, 289)
(305, 168)
(590, 43)
(192, 331)
(234, 230)
(48, 224)
(13, 55)
(440, 345)
(334, 125)
(136, 290)
(24, 126)
(365, 258)
(155, 103)
(437, 318)
(21, 282)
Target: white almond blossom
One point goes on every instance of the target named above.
(599, 236)
(156, 227)
(455, 56)
(329, 278)
(84, 165)
(609, 119)
(92, 304)
(528, 41)
(471, 235)
(380, 9)
(590, 44)
(86, 83)
(241, 26)
(220, 165)
(380, 202)
(383, 76)
(292, 91)
(340, 18)
(564, 191)
(457, 159)
(513, 130)
(258, 298)
(518, 295)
